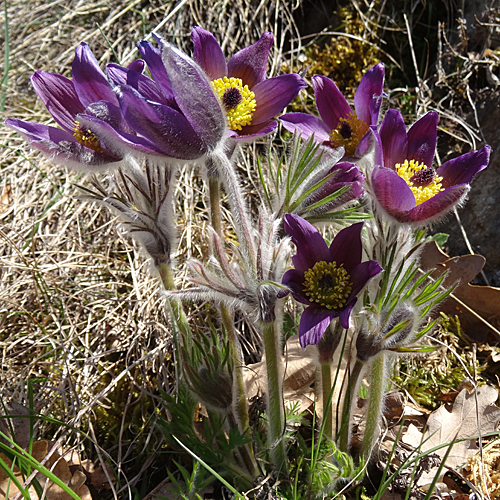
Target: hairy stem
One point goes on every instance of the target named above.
(275, 403)
(240, 403)
(235, 196)
(377, 389)
(326, 387)
(165, 271)
(326, 349)
(350, 399)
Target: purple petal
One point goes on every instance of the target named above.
(345, 175)
(62, 147)
(306, 125)
(250, 63)
(208, 53)
(38, 132)
(378, 154)
(275, 94)
(345, 314)
(311, 246)
(438, 206)
(462, 170)
(165, 127)
(363, 145)
(108, 113)
(90, 82)
(117, 74)
(367, 99)
(117, 140)
(195, 97)
(251, 132)
(394, 139)
(59, 97)
(294, 280)
(392, 192)
(155, 64)
(148, 88)
(360, 276)
(346, 247)
(137, 65)
(422, 139)
(313, 324)
(331, 104)
(345, 172)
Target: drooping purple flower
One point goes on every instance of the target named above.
(339, 124)
(327, 279)
(249, 99)
(75, 144)
(405, 184)
(176, 116)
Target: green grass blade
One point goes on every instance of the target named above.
(212, 471)
(6, 58)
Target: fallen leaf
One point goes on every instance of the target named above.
(58, 466)
(444, 427)
(300, 371)
(482, 300)
(5, 198)
(100, 477)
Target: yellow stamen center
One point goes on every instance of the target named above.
(349, 133)
(87, 138)
(422, 180)
(327, 284)
(238, 101)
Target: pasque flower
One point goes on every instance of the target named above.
(339, 124)
(90, 93)
(327, 279)
(405, 185)
(177, 117)
(249, 99)
(345, 178)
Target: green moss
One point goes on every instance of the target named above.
(429, 378)
(345, 58)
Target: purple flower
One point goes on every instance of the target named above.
(339, 124)
(176, 116)
(344, 177)
(250, 100)
(327, 279)
(405, 184)
(90, 93)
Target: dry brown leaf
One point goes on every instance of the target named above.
(483, 300)
(444, 426)
(57, 465)
(300, 372)
(100, 477)
(5, 198)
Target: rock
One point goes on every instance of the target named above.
(480, 216)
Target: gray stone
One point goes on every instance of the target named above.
(480, 216)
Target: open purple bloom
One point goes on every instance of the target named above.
(89, 93)
(250, 100)
(339, 124)
(405, 184)
(327, 279)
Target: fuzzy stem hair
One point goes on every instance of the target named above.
(275, 402)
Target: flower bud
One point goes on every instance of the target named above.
(396, 328)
